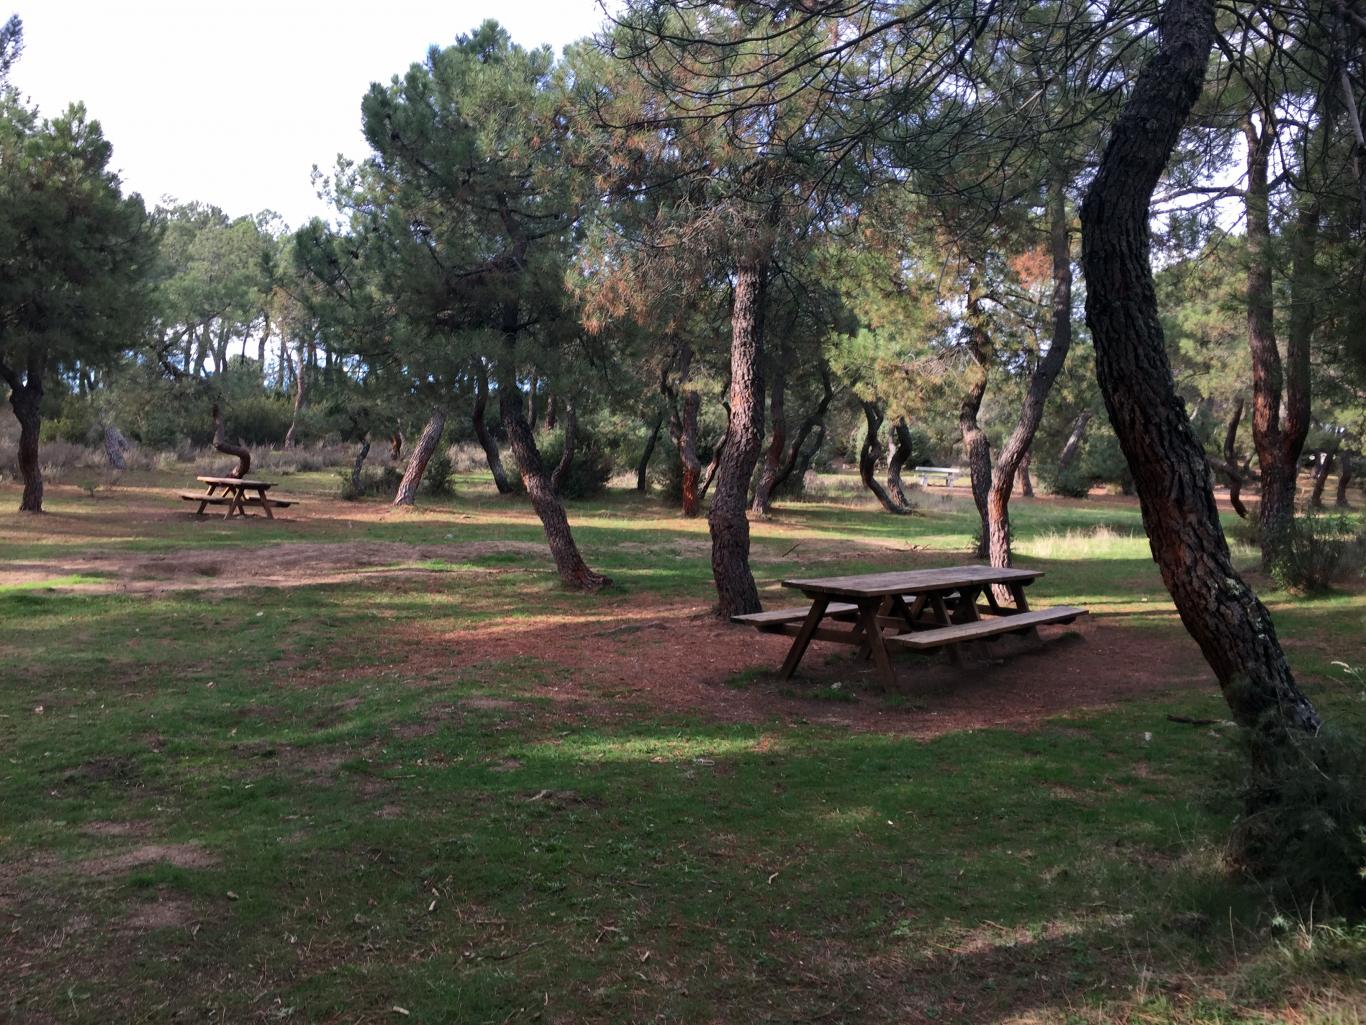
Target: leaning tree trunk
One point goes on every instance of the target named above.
(481, 430)
(26, 399)
(396, 446)
(1016, 448)
(1346, 471)
(683, 430)
(1026, 485)
(571, 430)
(718, 452)
(736, 591)
(1171, 475)
(356, 467)
(115, 447)
(1322, 471)
(777, 443)
(975, 444)
(643, 467)
(420, 456)
(221, 443)
(869, 454)
(899, 437)
(800, 455)
(1073, 444)
(1235, 478)
(300, 379)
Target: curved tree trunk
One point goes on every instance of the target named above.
(869, 454)
(1016, 448)
(1235, 478)
(242, 453)
(115, 447)
(1322, 469)
(356, 467)
(777, 443)
(396, 446)
(718, 450)
(571, 430)
(26, 399)
(643, 467)
(1026, 485)
(687, 453)
(899, 438)
(976, 446)
(1073, 445)
(300, 377)
(736, 591)
(1171, 475)
(481, 430)
(419, 457)
(1346, 471)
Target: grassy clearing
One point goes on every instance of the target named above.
(250, 805)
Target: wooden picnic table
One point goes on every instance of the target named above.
(234, 493)
(918, 610)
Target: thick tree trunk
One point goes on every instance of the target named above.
(736, 591)
(643, 467)
(115, 447)
(221, 443)
(1322, 469)
(1026, 485)
(869, 455)
(356, 467)
(481, 430)
(1016, 448)
(1346, 471)
(300, 383)
(976, 446)
(1171, 475)
(419, 457)
(1235, 478)
(571, 430)
(800, 454)
(777, 443)
(1073, 445)
(26, 399)
(899, 438)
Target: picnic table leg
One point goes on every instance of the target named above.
(868, 613)
(1022, 605)
(236, 504)
(803, 638)
(265, 504)
(941, 615)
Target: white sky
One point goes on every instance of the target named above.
(232, 103)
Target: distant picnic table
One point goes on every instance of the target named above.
(917, 610)
(237, 494)
(947, 474)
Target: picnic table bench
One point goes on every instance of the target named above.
(916, 610)
(236, 493)
(944, 473)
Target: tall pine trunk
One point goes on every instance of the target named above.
(976, 446)
(683, 430)
(1346, 471)
(571, 431)
(1016, 448)
(481, 429)
(1026, 484)
(26, 399)
(1323, 468)
(899, 439)
(736, 591)
(300, 383)
(869, 454)
(800, 455)
(1171, 474)
(419, 457)
(1072, 446)
(643, 467)
(777, 442)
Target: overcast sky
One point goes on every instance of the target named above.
(232, 103)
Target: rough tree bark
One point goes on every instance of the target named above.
(1322, 469)
(1278, 440)
(116, 447)
(683, 429)
(976, 446)
(899, 438)
(481, 430)
(356, 467)
(777, 442)
(1171, 475)
(419, 457)
(736, 591)
(1026, 485)
(1016, 448)
(300, 379)
(870, 453)
(221, 443)
(26, 399)
(571, 432)
(643, 467)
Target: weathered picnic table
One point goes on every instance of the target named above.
(234, 493)
(918, 610)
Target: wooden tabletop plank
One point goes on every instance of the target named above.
(235, 482)
(867, 585)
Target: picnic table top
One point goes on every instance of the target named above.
(911, 581)
(236, 482)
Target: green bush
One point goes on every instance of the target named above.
(438, 478)
(1070, 483)
(588, 473)
(1317, 550)
(374, 481)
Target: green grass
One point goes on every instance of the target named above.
(345, 825)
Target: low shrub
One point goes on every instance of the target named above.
(438, 478)
(1069, 483)
(373, 481)
(1315, 551)
(588, 474)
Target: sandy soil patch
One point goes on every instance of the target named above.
(181, 855)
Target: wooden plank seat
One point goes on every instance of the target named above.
(275, 501)
(774, 619)
(981, 628)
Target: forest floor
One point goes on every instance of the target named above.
(366, 765)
